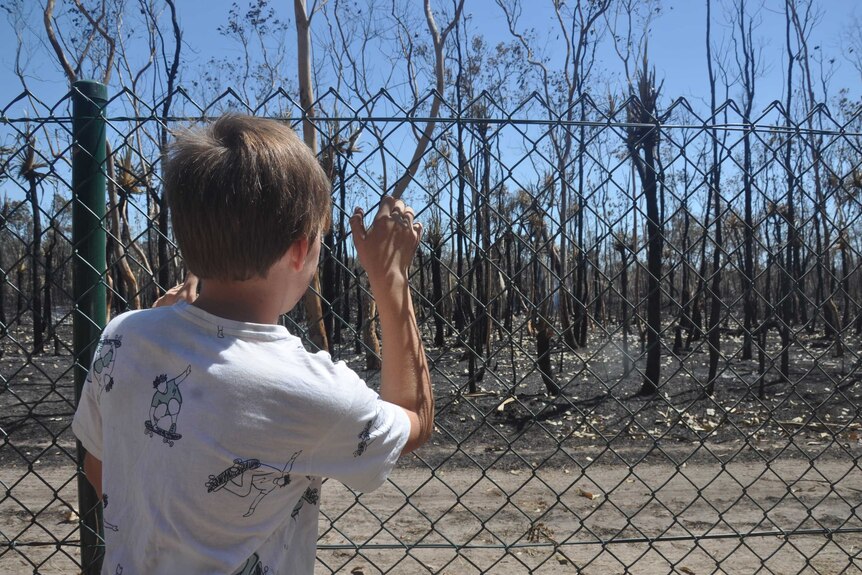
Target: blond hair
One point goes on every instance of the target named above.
(241, 190)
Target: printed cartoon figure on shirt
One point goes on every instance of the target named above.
(166, 405)
(311, 495)
(248, 475)
(364, 436)
(103, 363)
(105, 522)
(252, 566)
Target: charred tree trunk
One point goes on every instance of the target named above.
(36, 267)
(599, 303)
(329, 285)
(784, 286)
(684, 322)
(714, 176)
(421, 310)
(461, 300)
(581, 289)
(569, 326)
(5, 211)
(360, 310)
(644, 137)
(342, 275)
(162, 246)
(543, 351)
(4, 278)
(625, 305)
(19, 278)
(845, 278)
(50, 280)
(480, 330)
(714, 333)
(696, 305)
(749, 302)
(655, 246)
(544, 329)
(748, 69)
(436, 244)
(508, 318)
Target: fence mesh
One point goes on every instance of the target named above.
(643, 328)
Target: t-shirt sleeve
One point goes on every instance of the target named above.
(362, 447)
(87, 423)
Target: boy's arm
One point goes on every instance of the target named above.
(385, 251)
(93, 470)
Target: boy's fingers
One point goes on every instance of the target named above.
(357, 226)
(188, 290)
(387, 203)
(360, 233)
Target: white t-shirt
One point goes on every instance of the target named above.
(214, 435)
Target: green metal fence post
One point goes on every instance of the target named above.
(89, 237)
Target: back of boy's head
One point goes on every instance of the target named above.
(241, 190)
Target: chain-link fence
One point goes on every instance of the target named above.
(643, 328)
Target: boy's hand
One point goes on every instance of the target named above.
(186, 291)
(386, 249)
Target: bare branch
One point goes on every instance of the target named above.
(440, 73)
(512, 13)
(48, 19)
(109, 40)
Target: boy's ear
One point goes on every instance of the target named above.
(297, 253)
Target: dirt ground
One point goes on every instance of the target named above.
(596, 481)
(655, 518)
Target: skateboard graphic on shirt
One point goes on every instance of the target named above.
(166, 404)
(168, 436)
(251, 478)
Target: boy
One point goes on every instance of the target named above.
(219, 425)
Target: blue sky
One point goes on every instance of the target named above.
(679, 48)
(676, 43)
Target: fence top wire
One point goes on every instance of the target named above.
(717, 126)
(608, 116)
